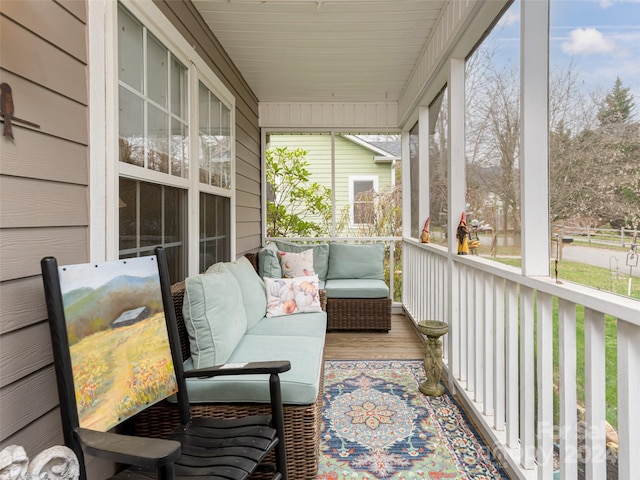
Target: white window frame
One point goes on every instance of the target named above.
(352, 180)
(104, 159)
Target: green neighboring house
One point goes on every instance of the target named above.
(361, 167)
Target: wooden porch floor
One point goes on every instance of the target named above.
(402, 342)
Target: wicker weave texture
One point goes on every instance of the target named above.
(359, 314)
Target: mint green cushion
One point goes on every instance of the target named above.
(300, 385)
(356, 288)
(356, 261)
(268, 262)
(214, 317)
(308, 324)
(254, 296)
(320, 255)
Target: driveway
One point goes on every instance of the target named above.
(600, 257)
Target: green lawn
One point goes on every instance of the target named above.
(598, 278)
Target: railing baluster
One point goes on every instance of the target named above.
(478, 337)
(527, 378)
(464, 323)
(445, 278)
(595, 414)
(437, 307)
(422, 286)
(453, 338)
(407, 254)
(433, 289)
(499, 357)
(471, 331)
(544, 361)
(513, 373)
(628, 394)
(444, 304)
(417, 286)
(488, 346)
(568, 401)
(430, 288)
(433, 311)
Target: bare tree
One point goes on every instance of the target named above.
(493, 137)
(595, 174)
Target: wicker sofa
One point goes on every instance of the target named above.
(352, 276)
(302, 419)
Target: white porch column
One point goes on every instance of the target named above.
(534, 137)
(457, 187)
(406, 187)
(333, 184)
(423, 168)
(456, 201)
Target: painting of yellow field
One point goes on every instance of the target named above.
(117, 339)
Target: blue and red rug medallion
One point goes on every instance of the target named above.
(377, 425)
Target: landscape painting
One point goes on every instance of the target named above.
(118, 339)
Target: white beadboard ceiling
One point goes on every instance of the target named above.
(323, 50)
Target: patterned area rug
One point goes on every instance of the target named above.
(377, 425)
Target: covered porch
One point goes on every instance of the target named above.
(331, 67)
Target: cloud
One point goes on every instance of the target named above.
(608, 3)
(510, 18)
(588, 41)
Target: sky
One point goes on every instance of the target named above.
(600, 37)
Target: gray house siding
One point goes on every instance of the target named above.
(44, 192)
(43, 201)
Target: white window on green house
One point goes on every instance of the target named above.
(159, 88)
(362, 193)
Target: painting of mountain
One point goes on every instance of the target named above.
(90, 310)
(116, 329)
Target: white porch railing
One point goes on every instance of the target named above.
(499, 360)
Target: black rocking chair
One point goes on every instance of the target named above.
(116, 352)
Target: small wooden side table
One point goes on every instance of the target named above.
(433, 329)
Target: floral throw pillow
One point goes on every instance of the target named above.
(292, 295)
(297, 264)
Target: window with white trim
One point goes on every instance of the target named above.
(169, 111)
(362, 194)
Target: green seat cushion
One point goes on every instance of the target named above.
(214, 317)
(320, 255)
(310, 324)
(356, 261)
(356, 288)
(254, 296)
(300, 385)
(268, 262)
